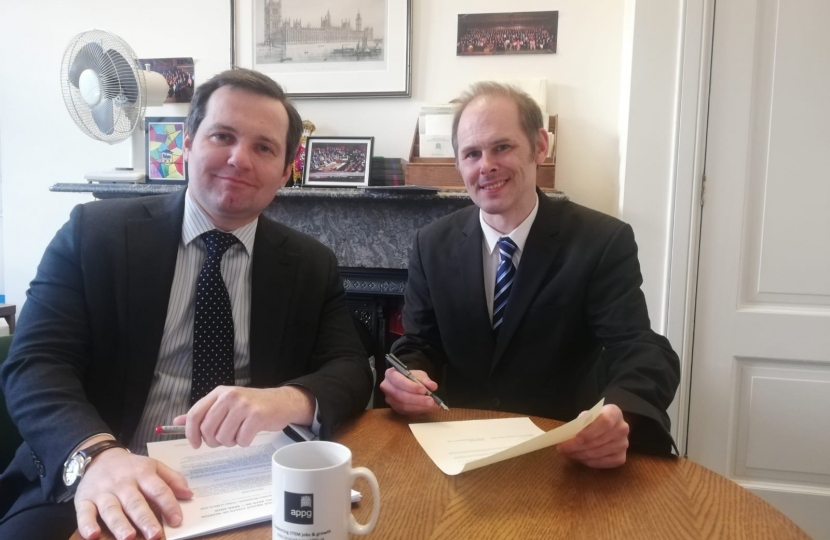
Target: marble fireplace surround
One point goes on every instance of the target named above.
(369, 229)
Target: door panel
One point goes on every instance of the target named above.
(760, 394)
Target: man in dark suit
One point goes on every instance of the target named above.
(111, 339)
(531, 305)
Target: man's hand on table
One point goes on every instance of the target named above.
(233, 415)
(603, 443)
(117, 486)
(409, 397)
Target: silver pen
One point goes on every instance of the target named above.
(393, 361)
(170, 430)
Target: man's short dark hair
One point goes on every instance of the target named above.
(530, 115)
(249, 81)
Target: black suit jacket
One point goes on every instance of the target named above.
(575, 329)
(88, 338)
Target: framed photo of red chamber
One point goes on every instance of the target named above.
(338, 161)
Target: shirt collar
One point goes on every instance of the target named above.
(196, 222)
(518, 235)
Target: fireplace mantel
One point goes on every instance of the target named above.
(367, 228)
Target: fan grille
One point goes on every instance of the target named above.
(122, 83)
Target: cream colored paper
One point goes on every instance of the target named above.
(436, 146)
(458, 447)
(438, 124)
(231, 486)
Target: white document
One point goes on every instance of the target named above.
(458, 447)
(438, 124)
(231, 486)
(438, 109)
(436, 146)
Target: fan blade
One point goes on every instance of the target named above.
(87, 58)
(122, 76)
(102, 114)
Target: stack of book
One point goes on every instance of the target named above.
(387, 171)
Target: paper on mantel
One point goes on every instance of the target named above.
(438, 124)
(458, 447)
(231, 486)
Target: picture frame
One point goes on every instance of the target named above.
(346, 55)
(164, 149)
(179, 74)
(518, 32)
(338, 161)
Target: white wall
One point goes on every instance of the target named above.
(583, 88)
(40, 145)
(614, 83)
(650, 138)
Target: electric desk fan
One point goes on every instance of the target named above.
(106, 93)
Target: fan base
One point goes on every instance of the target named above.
(132, 176)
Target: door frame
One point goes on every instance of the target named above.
(688, 196)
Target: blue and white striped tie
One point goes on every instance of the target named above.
(504, 280)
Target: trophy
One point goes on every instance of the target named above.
(299, 158)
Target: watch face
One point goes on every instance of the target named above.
(73, 469)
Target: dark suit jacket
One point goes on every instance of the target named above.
(89, 334)
(575, 328)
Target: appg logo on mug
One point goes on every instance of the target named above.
(299, 508)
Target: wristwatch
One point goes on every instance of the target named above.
(75, 466)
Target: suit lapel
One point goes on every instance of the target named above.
(152, 247)
(274, 271)
(470, 270)
(534, 270)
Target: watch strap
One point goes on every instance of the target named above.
(91, 451)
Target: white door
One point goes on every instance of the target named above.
(760, 392)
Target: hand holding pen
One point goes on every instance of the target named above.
(392, 392)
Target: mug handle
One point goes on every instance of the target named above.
(354, 526)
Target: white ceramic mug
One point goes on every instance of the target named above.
(312, 484)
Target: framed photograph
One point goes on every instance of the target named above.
(338, 161)
(178, 72)
(530, 32)
(164, 146)
(328, 48)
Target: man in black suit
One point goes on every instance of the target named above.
(531, 305)
(108, 340)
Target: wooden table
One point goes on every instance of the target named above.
(539, 495)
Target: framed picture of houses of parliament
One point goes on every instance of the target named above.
(327, 48)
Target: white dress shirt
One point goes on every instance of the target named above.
(170, 390)
(490, 255)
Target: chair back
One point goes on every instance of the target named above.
(10, 438)
(370, 347)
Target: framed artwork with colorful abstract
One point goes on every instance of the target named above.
(164, 143)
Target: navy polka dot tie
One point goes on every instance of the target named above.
(504, 280)
(213, 323)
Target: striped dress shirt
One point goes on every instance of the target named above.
(170, 390)
(490, 255)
